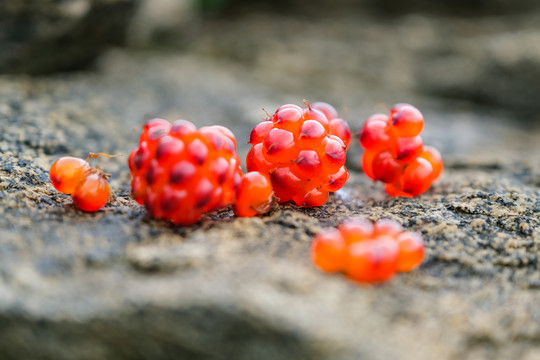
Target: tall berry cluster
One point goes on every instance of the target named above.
(302, 151)
(179, 172)
(366, 252)
(395, 153)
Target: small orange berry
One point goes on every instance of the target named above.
(67, 172)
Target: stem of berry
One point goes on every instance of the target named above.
(95, 156)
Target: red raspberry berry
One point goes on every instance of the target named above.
(254, 195)
(395, 153)
(366, 252)
(303, 151)
(179, 172)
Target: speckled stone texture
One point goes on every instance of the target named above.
(118, 285)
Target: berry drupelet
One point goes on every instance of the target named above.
(254, 195)
(302, 151)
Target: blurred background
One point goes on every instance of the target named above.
(472, 67)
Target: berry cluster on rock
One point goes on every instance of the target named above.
(302, 151)
(366, 252)
(395, 153)
(179, 172)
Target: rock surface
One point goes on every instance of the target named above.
(116, 284)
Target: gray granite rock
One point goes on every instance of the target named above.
(46, 36)
(117, 284)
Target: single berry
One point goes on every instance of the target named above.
(434, 157)
(387, 227)
(411, 251)
(67, 172)
(92, 192)
(372, 261)
(303, 152)
(386, 168)
(417, 177)
(179, 172)
(355, 230)
(406, 120)
(328, 250)
(254, 195)
(375, 134)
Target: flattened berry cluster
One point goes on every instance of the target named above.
(303, 152)
(365, 252)
(395, 153)
(179, 172)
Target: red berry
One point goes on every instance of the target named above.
(375, 134)
(411, 251)
(385, 168)
(387, 227)
(367, 163)
(338, 126)
(298, 152)
(408, 148)
(92, 192)
(328, 250)
(328, 110)
(254, 195)
(337, 180)
(184, 172)
(372, 261)
(67, 172)
(260, 131)
(406, 120)
(417, 177)
(355, 230)
(434, 157)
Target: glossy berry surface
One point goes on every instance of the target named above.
(88, 186)
(394, 152)
(179, 172)
(92, 192)
(302, 151)
(67, 172)
(254, 195)
(367, 252)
